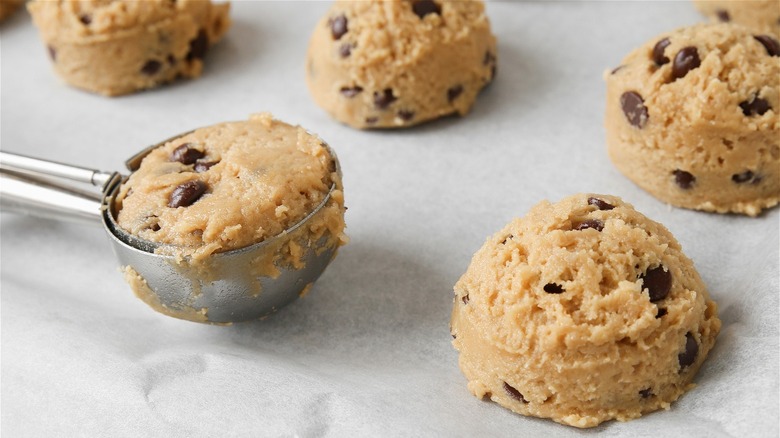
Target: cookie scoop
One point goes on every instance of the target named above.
(224, 224)
(582, 311)
(693, 117)
(398, 63)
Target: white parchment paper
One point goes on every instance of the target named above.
(367, 352)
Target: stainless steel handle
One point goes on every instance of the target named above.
(44, 169)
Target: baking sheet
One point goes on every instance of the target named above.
(367, 352)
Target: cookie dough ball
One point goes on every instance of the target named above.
(119, 47)
(582, 311)
(389, 64)
(693, 117)
(8, 7)
(762, 15)
(231, 185)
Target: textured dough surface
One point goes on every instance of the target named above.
(696, 146)
(598, 349)
(115, 47)
(264, 177)
(761, 15)
(393, 68)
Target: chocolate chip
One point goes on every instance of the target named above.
(338, 26)
(686, 60)
(688, 356)
(515, 394)
(747, 176)
(658, 283)
(507, 238)
(383, 99)
(634, 108)
(756, 106)
(616, 69)
(345, 50)
(171, 60)
(425, 7)
(553, 288)
(600, 204)
(198, 46)
(658, 52)
(151, 67)
(771, 44)
(405, 115)
(489, 58)
(52, 53)
(371, 120)
(661, 312)
(454, 92)
(683, 179)
(155, 227)
(591, 223)
(186, 154)
(202, 166)
(645, 393)
(85, 18)
(723, 15)
(350, 91)
(186, 194)
(465, 299)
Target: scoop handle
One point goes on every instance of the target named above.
(32, 186)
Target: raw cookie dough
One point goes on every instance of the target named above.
(389, 64)
(231, 185)
(582, 311)
(115, 47)
(8, 7)
(693, 118)
(760, 15)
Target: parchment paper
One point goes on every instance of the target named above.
(367, 352)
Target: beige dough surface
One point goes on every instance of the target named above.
(115, 47)
(8, 7)
(760, 15)
(257, 178)
(703, 135)
(554, 318)
(380, 64)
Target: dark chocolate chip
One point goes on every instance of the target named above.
(465, 299)
(507, 238)
(686, 60)
(171, 60)
(634, 108)
(202, 166)
(771, 44)
(383, 99)
(371, 120)
(743, 177)
(661, 312)
(757, 106)
(454, 92)
(553, 288)
(186, 154)
(425, 7)
(345, 50)
(515, 394)
(85, 19)
(658, 52)
(683, 179)
(405, 115)
(591, 223)
(338, 26)
(645, 393)
(688, 356)
(489, 58)
(187, 194)
(600, 204)
(658, 283)
(454, 336)
(723, 15)
(52, 53)
(155, 227)
(198, 46)
(350, 91)
(616, 69)
(151, 67)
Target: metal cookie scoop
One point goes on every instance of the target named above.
(227, 293)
